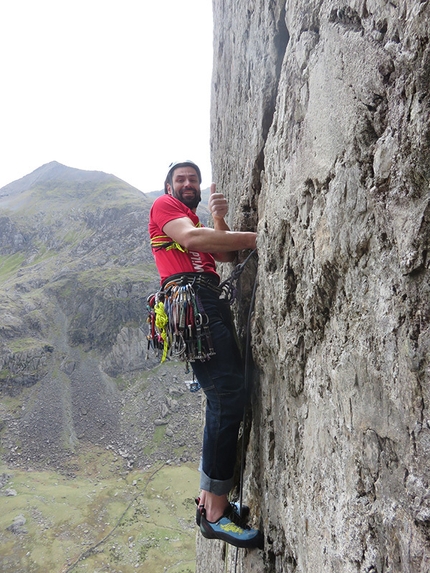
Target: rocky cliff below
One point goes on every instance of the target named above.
(320, 139)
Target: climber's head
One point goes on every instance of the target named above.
(183, 182)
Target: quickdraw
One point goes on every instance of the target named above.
(178, 327)
(229, 286)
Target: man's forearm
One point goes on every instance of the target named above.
(209, 240)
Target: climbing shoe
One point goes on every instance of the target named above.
(233, 512)
(226, 530)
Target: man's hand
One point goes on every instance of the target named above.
(217, 204)
(219, 241)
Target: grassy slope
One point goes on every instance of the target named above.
(99, 521)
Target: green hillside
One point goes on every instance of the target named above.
(86, 412)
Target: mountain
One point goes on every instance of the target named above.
(65, 231)
(75, 272)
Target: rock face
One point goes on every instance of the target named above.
(320, 138)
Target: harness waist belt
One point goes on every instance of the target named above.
(205, 280)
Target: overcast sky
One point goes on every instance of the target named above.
(120, 86)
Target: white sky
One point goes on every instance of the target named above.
(121, 86)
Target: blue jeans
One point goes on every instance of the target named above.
(222, 380)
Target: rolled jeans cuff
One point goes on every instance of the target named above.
(216, 486)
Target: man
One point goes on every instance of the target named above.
(185, 251)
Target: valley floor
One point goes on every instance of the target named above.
(100, 520)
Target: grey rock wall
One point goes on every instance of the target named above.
(321, 139)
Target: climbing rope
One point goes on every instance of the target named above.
(229, 286)
(247, 376)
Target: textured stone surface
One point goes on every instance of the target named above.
(321, 137)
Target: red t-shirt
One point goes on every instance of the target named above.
(173, 261)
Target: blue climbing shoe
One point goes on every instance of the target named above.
(227, 530)
(239, 514)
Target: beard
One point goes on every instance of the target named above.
(191, 201)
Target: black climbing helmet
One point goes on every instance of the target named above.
(175, 165)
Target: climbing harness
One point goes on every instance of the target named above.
(178, 323)
(178, 326)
